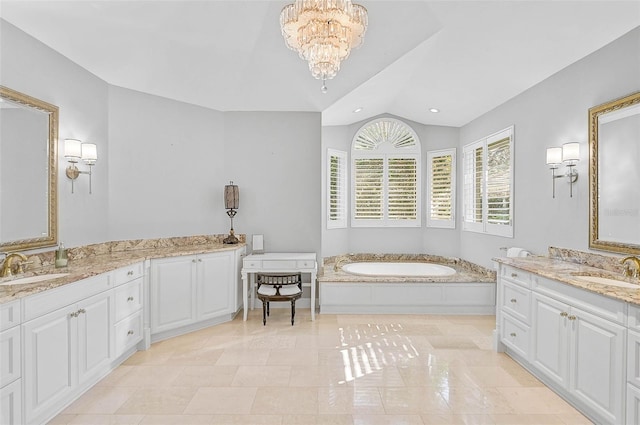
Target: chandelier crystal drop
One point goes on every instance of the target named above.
(323, 32)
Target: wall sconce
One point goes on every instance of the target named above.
(569, 153)
(74, 151)
(231, 202)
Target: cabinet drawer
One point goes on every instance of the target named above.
(516, 301)
(11, 403)
(9, 315)
(128, 333)
(48, 301)
(279, 264)
(515, 275)
(10, 355)
(252, 264)
(634, 317)
(633, 358)
(515, 335)
(128, 299)
(128, 273)
(305, 264)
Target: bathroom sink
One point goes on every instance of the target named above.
(606, 281)
(33, 279)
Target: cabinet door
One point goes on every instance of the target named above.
(95, 340)
(215, 286)
(550, 338)
(50, 347)
(10, 350)
(596, 363)
(172, 292)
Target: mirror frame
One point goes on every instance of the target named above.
(594, 238)
(52, 111)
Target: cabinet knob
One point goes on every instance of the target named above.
(199, 260)
(513, 300)
(513, 334)
(572, 317)
(82, 310)
(564, 314)
(74, 314)
(514, 274)
(130, 299)
(193, 261)
(130, 333)
(130, 273)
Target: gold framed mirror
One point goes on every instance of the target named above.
(28, 172)
(614, 175)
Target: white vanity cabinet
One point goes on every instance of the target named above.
(67, 349)
(576, 342)
(10, 364)
(192, 289)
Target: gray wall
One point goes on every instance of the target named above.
(162, 164)
(32, 68)
(549, 114)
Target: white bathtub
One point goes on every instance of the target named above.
(398, 269)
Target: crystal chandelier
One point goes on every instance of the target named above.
(323, 32)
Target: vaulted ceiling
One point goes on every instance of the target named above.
(462, 57)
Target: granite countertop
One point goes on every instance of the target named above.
(92, 265)
(566, 272)
(465, 271)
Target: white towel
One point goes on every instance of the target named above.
(514, 251)
(524, 253)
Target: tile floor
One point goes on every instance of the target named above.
(340, 369)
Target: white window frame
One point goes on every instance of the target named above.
(470, 187)
(386, 151)
(340, 221)
(449, 223)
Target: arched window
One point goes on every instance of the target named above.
(385, 177)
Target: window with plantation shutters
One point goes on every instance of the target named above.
(336, 189)
(488, 184)
(385, 175)
(441, 190)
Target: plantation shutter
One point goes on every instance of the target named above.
(402, 191)
(499, 182)
(488, 184)
(472, 187)
(369, 190)
(441, 189)
(336, 189)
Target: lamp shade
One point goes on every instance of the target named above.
(231, 196)
(89, 153)
(72, 149)
(554, 156)
(571, 152)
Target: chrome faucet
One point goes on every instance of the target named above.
(627, 269)
(8, 266)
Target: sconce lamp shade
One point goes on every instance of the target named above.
(72, 149)
(89, 153)
(571, 152)
(231, 196)
(554, 156)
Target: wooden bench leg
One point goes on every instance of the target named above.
(264, 313)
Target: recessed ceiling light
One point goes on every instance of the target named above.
(434, 110)
(358, 109)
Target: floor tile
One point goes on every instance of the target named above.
(337, 370)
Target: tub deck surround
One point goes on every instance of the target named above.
(564, 269)
(92, 260)
(465, 271)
